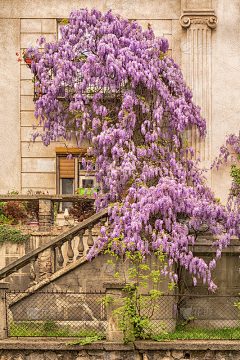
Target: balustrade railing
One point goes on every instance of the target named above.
(51, 253)
(46, 202)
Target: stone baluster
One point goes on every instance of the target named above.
(90, 241)
(53, 267)
(80, 244)
(70, 253)
(32, 273)
(45, 264)
(60, 259)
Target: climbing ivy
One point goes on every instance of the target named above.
(14, 236)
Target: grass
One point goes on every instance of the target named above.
(48, 328)
(183, 333)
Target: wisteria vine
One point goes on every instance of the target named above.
(108, 81)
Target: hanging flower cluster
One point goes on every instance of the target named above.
(109, 81)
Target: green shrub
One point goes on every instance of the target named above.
(12, 235)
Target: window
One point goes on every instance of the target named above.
(66, 177)
(83, 181)
(70, 174)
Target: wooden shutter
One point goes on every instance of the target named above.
(66, 168)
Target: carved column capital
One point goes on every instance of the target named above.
(204, 16)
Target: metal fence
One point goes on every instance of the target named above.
(194, 316)
(59, 314)
(55, 314)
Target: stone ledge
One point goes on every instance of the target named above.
(60, 198)
(4, 285)
(188, 345)
(60, 344)
(142, 346)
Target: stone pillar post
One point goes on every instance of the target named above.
(3, 322)
(114, 291)
(197, 68)
(46, 214)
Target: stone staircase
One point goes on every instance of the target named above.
(47, 263)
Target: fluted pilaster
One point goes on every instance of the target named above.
(197, 70)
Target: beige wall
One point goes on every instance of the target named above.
(10, 159)
(132, 9)
(32, 166)
(212, 72)
(38, 168)
(225, 84)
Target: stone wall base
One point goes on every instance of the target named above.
(11, 349)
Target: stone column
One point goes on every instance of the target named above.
(197, 70)
(46, 214)
(3, 322)
(115, 291)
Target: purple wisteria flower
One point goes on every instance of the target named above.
(114, 84)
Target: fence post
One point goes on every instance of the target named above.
(115, 291)
(3, 309)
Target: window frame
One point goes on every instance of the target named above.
(79, 174)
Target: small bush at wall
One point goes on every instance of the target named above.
(81, 210)
(14, 211)
(12, 236)
(5, 220)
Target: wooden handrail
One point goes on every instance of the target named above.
(60, 239)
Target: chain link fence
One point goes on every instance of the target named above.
(68, 314)
(194, 316)
(55, 314)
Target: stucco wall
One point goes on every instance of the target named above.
(10, 159)
(32, 166)
(225, 85)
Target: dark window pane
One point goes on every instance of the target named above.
(87, 183)
(67, 188)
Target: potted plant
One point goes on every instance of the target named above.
(27, 59)
(81, 191)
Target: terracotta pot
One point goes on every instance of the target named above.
(56, 227)
(33, 223)
(28, 60)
